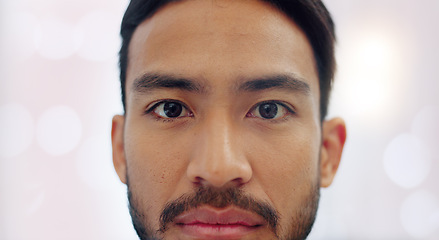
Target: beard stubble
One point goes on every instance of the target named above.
(298, 229)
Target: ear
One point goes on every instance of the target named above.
(117, 142)
(334, 137)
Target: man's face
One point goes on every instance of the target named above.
(221, 137)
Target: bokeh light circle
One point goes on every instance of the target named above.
(55, 39)
(101, 36)
(59, 130)
(18, 37)
(407, 161)
(419, 214)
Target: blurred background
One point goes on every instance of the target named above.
(59, 89)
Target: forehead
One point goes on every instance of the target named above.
(220, 40)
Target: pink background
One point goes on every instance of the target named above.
(59, 89)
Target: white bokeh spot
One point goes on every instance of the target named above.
(20, 35)
(101, 36)
(419, 214)
(16, 128)
(59, 130)
(407, 161)
(55, 39)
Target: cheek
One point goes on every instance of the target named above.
(287, 167)
(150, 162)
(155, 167)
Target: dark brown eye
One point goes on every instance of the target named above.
(172, 109)
(268, 110)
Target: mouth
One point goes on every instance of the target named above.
(211, 223)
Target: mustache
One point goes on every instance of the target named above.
(218, 198)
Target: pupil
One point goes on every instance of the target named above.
(268, 110)
(172, 109)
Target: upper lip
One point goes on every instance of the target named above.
(214, 216)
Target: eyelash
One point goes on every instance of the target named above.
(150, 110)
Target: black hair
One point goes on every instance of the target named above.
(310, 15)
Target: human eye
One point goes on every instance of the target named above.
(270, 110)
(169, 109)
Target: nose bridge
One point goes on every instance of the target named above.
(217, 158)
(217, 134)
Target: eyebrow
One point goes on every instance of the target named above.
(150, 81)
(285, 81)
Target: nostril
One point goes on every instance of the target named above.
(238, 182)
(198, 181)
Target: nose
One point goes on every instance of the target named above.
(217, 158)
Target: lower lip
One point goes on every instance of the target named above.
(217, 231)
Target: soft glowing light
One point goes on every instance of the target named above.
(55, 39)
(59, 130)
(16, 128)
(373, 80)
(419, 214)
(94, 163)
(407, 161)
(375, 54)
(101, 36)
(371, 74)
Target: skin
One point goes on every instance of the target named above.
(222, 141)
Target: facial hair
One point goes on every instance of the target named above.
(299, 229)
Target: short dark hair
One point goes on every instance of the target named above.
(310, 15)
